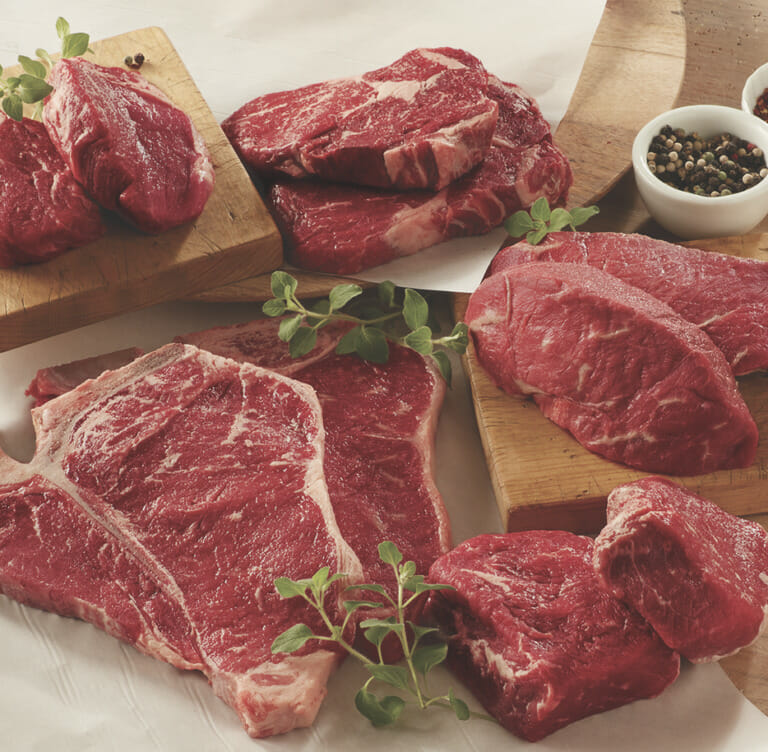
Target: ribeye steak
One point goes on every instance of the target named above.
(536, 638)
(421, 122)
(697, 574)
(727, 296)
(626, 375)
(43, 210)
(128, 145)
(343, 229)
(163, 500)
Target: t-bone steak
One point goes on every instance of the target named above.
(727, 296)
(697, 574)
(132, 149)
(343, 229)
(43, 210)
(163, 500)
(380, 422)
(619, 369)
(535, 637)
(421, 122)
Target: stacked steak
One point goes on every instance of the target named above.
(426, 149)
(206, 477)
(629, 343)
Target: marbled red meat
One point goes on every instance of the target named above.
(43, 210)
(727, 296)
(697, 574)
(535, 637)
(421, 122)
(163, 500)
(626, 375)
(131, 148)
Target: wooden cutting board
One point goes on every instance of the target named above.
(633, 71)
(543, 478)
(234, 237)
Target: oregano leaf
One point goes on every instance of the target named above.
(560, 218)
(33, 67)
(540, 209)
(288, 327)
(302, 342)
(415, 309)
(395, 676)
(536, 236)
(580, 214)
(518, 224)
(292, 639)
(273, 307)
(443, 365)
(342, 294)
(372, 345)
(283, 285)
(460, 708)
(62, 27)
(32, 89)
(420, 340)
(389, 553)
(386, 293)
(13, 107)
(288, 588)
(73, 45)
(379, 713)
(348, 343)
(426, 657)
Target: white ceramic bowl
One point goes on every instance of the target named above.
(688, 215)
(754, 86)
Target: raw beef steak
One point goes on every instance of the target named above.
(55, 380)
(344, 229)
(163, 500)
(128, 145)
(620, 370)
(43, 210)
(380, 422)
(697, 574)
(727, 296)
(421, 122)
(535, 637)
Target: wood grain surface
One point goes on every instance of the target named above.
(125, 270)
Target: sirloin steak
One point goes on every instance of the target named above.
(697, 574)
(132, 149)
(43, 210)
(727, 296)
(380, 422)
(619, 369)
(421, 122)
(343, 229)
(535, 637)
(163, 500)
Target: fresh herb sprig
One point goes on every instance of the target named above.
(31, 87)
(541, 220)
(403, 319)
(420, 655)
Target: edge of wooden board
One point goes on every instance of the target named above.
(543, 478)
(234, 237)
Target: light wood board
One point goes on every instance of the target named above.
(633, 71)
(543, 478)
(233, 238)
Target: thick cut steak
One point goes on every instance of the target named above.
(536, 638)
(619, 369)
(55, 380)
(163, 500)
(697, 574)
(131, 148)
(43, 210)
(726, 296)
(421, 122)
(344, 229)
(380, 422)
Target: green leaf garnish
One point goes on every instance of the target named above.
(31, 87)
(375, 322)
(420, 656)
(540, 220)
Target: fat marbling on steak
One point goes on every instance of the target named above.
(344, 229)
(727, 296)
(421, 122)
(163, 500)
(132, 149)
(697, 574)
(626, 375)
(380, 422)
(43, 210)
(535, 637)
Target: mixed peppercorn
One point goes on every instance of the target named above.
(716, 166)
(761, 106)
